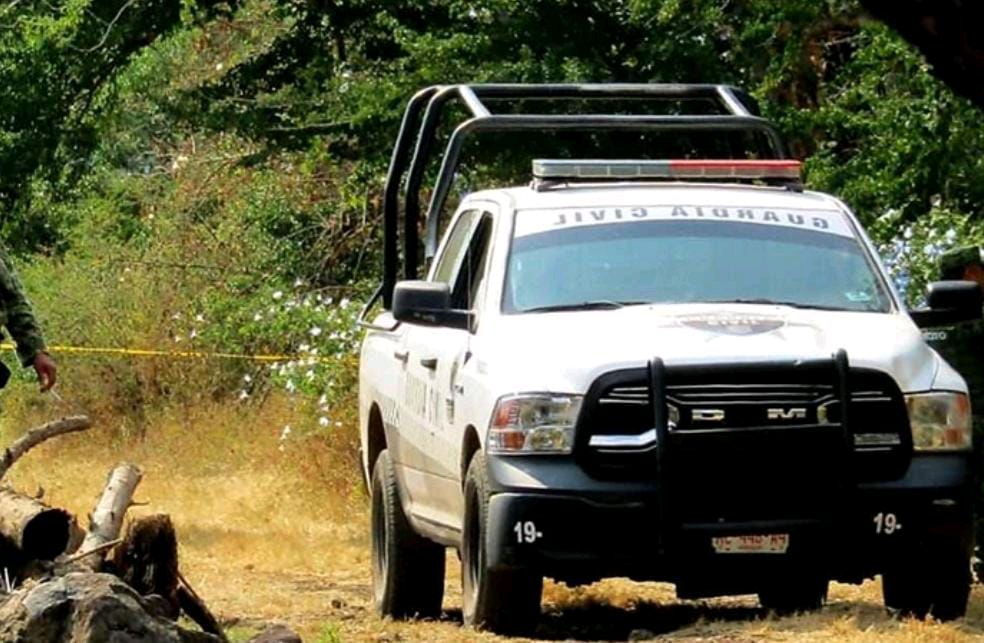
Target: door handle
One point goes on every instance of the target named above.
(402, 355)
(429, 363)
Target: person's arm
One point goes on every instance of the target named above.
(23, 325)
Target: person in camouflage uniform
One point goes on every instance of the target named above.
(17, 316)
(962, 346)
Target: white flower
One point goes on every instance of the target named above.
(298, 283)
(315, 331)
(193, 334)
(290, 386)
(199, 318)
(176, 339)
(323, 399)
(247, 378)
(278, 294)
(323, 421)
(344, 303)
(257, 317)
(303, 348)
(243, 395)
(176, 316)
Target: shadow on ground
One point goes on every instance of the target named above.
(710, 620)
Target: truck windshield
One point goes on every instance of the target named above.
(687, 261)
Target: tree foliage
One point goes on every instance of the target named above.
(105, 103)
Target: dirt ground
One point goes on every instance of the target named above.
(263, 542)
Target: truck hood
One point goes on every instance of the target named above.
(566, 351)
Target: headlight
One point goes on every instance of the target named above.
(534, 423)
(940, 420)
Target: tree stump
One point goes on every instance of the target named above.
(147, 559)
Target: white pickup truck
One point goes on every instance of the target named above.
(687, 371)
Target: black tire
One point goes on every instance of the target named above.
(501, 601)
(407, 569)
(798, 593)
(929, 585)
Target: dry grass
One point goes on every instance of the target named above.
(278, 535)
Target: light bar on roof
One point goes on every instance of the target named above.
(668, 169)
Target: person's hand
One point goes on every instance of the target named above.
(47, 371)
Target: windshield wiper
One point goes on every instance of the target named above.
(598, 304)
(774, 302)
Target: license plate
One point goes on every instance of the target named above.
(751, 544)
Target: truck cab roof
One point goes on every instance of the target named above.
(630, 194)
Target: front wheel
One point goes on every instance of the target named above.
(407, 569)
(937, 584)
(502, 601)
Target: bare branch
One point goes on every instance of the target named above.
(85, 554)
(38, 435)
(109, 29)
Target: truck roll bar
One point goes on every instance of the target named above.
(423, 113)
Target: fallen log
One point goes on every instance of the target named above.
(38, 435)
(34, 530)
(107, 518)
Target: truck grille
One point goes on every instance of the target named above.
(795, 411)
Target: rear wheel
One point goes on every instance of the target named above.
(407, 569)
(929, 585)
(502, 601)
(797, 593)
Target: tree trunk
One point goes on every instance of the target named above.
(947, 32)
(107, 518)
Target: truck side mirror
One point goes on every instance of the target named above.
(427, 303)
(950, 302)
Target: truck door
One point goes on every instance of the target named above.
(429, 352)
(452, 352)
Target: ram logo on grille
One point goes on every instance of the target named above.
(707, 415)
(796, 413)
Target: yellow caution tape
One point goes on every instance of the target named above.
(142, 352)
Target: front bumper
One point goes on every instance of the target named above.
(547, 514)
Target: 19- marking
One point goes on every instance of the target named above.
(886, 523)
(526, 532)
